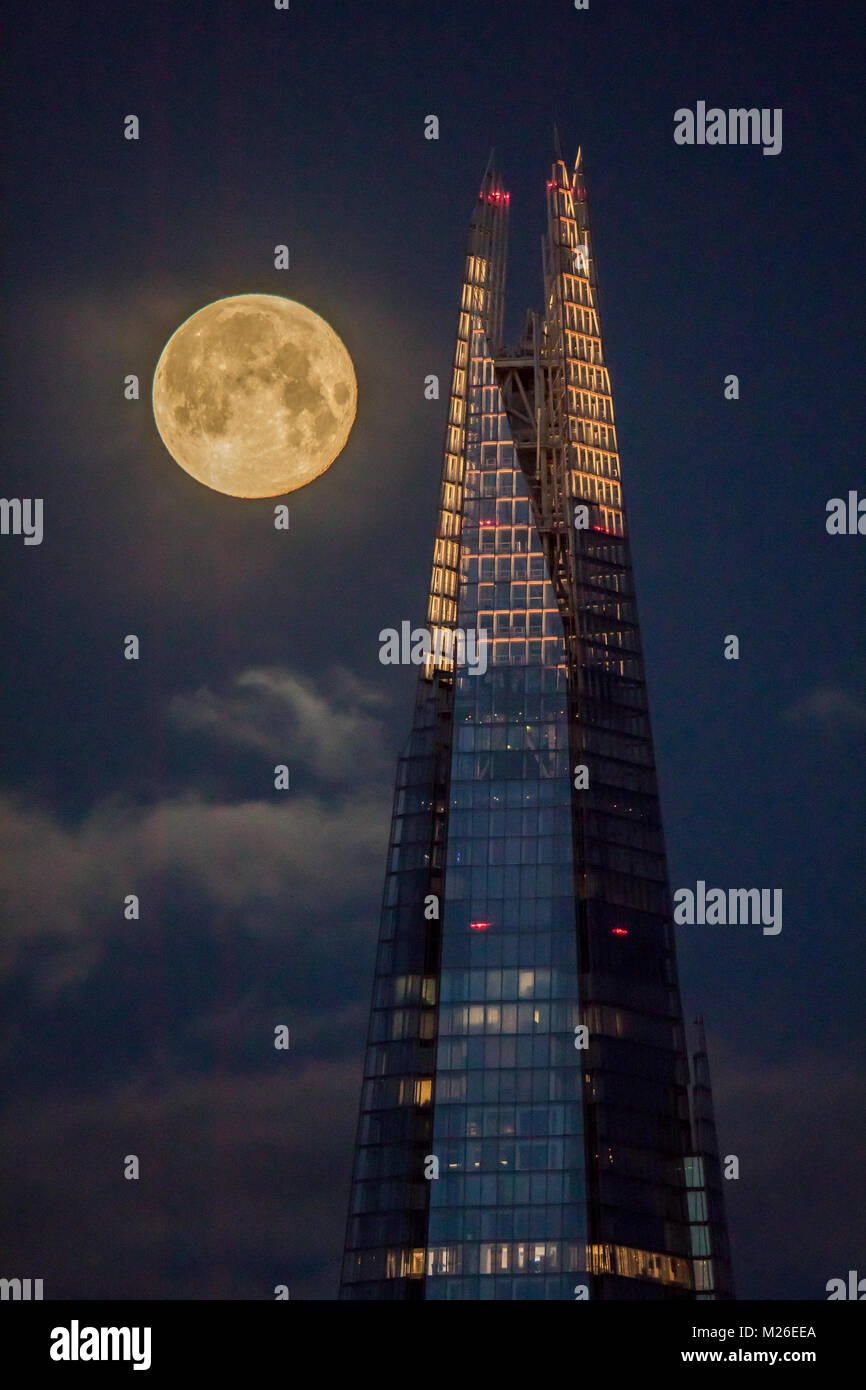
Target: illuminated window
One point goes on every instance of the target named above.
(703, 1274)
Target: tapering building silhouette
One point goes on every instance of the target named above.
(525, 1128)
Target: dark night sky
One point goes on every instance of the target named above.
(260, 127)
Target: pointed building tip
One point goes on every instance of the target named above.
(491, 190)
(579, 160)
(557, 143)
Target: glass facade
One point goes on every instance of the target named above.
(636, 1106)
(525, 1130)
(508, 1211)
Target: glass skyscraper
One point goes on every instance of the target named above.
(527, 1126)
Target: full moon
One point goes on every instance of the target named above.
(254, 395)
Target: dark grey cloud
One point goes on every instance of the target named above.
(281, 862)
(829, 708)
(334, 725)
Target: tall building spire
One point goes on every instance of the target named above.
(524, 1127)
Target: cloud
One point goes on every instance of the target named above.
(270, 710)
(830, 708)
(65, 886)
(287, 862)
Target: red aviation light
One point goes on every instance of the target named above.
(619, 931)
(478, 926)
